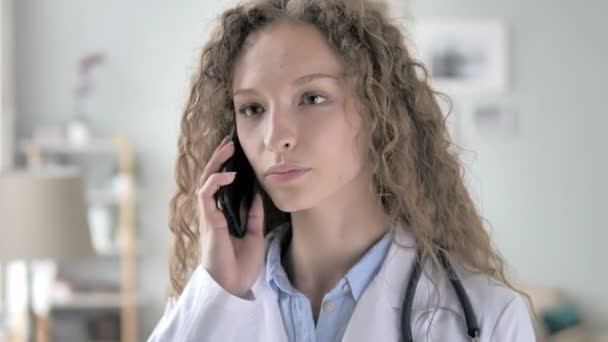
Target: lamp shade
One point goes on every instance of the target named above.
(43, 214)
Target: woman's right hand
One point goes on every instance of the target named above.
(234, 263)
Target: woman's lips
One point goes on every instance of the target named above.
(286, 177)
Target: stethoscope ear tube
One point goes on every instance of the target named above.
(408, 302)
(469, 314)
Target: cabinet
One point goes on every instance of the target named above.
(117, 193)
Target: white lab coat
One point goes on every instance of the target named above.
(206, 312)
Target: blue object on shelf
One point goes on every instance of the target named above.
(560, 318)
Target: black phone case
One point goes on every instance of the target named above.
(238, 193)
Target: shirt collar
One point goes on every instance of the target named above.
(276, 277)
(362, 273)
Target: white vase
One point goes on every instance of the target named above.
(77, 132)
(100, 223)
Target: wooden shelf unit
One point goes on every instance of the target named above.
(126, 300)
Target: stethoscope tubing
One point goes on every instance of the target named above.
(408, 301)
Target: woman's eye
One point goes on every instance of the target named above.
(254, 109)
(313, 99)
(251, 110)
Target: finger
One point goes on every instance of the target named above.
(211, 215)
(224, 141)
(218, 158)
(221, 153)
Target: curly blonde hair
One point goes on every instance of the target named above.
(416, 171)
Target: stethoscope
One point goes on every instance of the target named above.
(406, 312)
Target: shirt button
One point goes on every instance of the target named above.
(329, 306)
(346, 287)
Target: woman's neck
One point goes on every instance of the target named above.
(329, 239)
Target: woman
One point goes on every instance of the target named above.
(359, 191)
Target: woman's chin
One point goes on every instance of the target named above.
(289, 203)
(288, 207)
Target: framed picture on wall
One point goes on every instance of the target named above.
(464, 57)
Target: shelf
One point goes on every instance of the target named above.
(102, 196)
(64, 147)
(83, 301)
(119, 194)
(114, 252)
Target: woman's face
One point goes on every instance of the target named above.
(294, 105)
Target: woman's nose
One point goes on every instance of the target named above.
(280, 133)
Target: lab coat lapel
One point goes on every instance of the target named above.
(377, 315)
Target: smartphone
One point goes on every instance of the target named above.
(235, 199)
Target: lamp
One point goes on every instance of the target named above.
(43, 215)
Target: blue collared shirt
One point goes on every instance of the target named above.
(338, 304)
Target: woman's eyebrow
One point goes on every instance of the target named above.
(298, 81)
(312, 77)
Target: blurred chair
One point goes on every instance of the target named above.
(549, 300)
(43, 218)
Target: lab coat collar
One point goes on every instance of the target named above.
(378, 312)
(398, 264)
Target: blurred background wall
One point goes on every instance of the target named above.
(543, 191)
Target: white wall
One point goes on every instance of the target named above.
(543, 192)
(7, 89)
